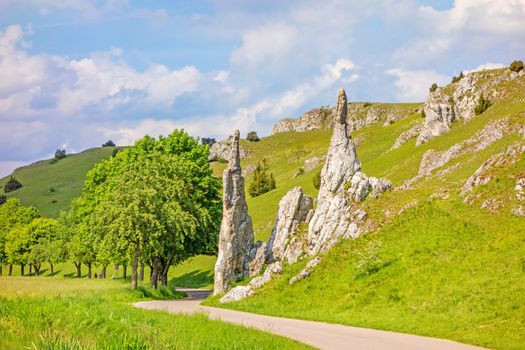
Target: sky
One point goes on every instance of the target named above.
(76, 73)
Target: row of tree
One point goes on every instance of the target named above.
(155, 204)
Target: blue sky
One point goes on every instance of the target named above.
(75, 73)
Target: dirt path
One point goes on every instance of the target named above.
(318, 334)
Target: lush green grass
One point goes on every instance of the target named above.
(444, 268)
(55, 314)
(51, 187)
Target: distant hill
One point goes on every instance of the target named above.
(51, 187)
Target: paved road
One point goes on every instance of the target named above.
(318, 334)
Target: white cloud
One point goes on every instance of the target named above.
(265, 45)
(413, 84)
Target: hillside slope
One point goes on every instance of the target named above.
(51, 187)
(440, 261)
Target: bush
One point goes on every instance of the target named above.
(262, 182)
(366, 104)
(458, 78)
(317, 179)
(252, 136)
(60, 154)
(516, 66)
(114, 153)
(108, 143)
(208, 141)
(433, 87)
(51, 189)
(53, 161)
(482, 106)
(12, 185)
(3, 199)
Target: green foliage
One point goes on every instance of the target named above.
(252, 136)
(108, 143)
(433, 87)
(53, 161)
(262, 181)
(3, 199)
(482, 105)
(516, 66)
(60, 154)
(458, 78)
(156, 201)
(369, 259)
(12, 185)
(367, 104)
(316, 180)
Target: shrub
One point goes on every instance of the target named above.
(516, 66)
(3, 199)
(458, 78)
(12, 185)
(51, 189)
(252, 136)
(317, 179)
(433, 87)
(114, 153)
(369, 259)
(366, 104)
(108, 143)
(262, 181)
(53, 161)
(482, 106)
(208, 141)
(60, 154)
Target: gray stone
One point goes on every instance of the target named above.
(439, 115)
(256, 258)
(236, 294)
(407, 136)
(272, 270)
(236, 233)
(293, 209)
(222, 150)
(301, 275)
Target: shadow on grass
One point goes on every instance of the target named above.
(54, 273)
(193, 279)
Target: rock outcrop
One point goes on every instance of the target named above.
(284, 245)
(458, 101)
(236, 234)
(483, 175)
(222, 150)
(330, 221)
(359, 116)
(406, 136)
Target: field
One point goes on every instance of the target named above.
(53, 313)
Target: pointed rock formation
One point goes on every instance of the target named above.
(293, 209)
(236, 235)
(330, 220)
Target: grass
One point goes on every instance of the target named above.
(51, 187)
(79, 314)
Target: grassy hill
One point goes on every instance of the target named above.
(51, 187)
(443, 267)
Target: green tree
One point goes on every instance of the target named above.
(262, 180)
(155, 202)
(316, 180)
(12, 185)
(13, 215)
(433, 87)
(482, 105)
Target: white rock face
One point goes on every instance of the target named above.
(236, 294)
(293, 209)
(483, 176)
(330, 221)
(236, 234)
(439, 114)
(406, 136)
(223, 149)
(256, 258)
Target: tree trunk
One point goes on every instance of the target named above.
(52, 269)
(134, 267)
(103, 272)
(154, 278)
(10, 269)
(124, 271)
(141, 273)
(89, 270)
(22, 269)
(37, 269)
(165, 267)
(79, 269)
(1, 270)
(30, 269)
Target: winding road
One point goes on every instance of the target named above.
(318, 334)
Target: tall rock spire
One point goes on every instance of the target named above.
(236, 235)
(330, 221)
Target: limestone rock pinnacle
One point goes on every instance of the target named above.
(236, 234)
